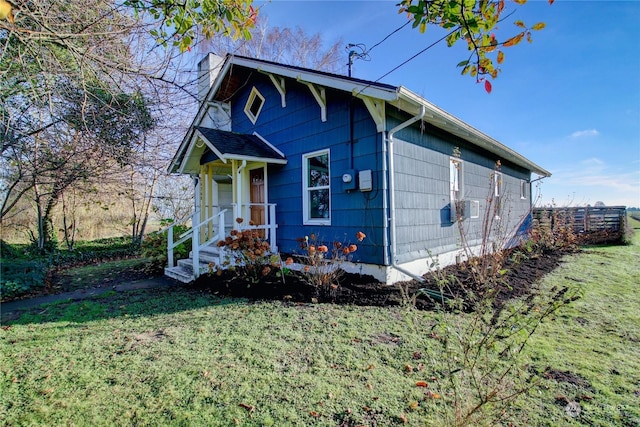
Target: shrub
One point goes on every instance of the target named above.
(154, 247)
(21, 276)
(322, 262)
(247, 253)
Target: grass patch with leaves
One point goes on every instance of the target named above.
(172, 357)
(179, 357)
(588, 355)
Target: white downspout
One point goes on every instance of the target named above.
(392, 198)
(239, 190)
(385, 203)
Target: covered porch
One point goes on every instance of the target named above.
(230, 177)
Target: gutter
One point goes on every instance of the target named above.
(392, 198)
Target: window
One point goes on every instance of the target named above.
(254, 105)
(497, 184)
(455, 179)
(455, 189)
(316, 180)
(524, 189)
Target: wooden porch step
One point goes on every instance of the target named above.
(179, 273)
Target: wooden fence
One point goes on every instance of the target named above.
(599, 220)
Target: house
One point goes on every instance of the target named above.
(299, 151)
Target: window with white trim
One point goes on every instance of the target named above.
(497, 184)
(455, 188)
(524, 189)
(316, 188)
(254, 105)
(455, 179)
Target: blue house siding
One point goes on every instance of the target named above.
(423, 222)
(296, 130)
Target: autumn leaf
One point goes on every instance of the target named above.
(520, 24)
(422, 384)
(539, 26)
(403, 418)
(513, 40)
(314, 414)
(487, 86)
(249, 408)
(500, 57)
(520, 1)
(551, 1)
(414, 405)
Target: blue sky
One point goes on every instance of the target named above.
(570, 101)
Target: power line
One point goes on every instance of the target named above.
(409, 60)
(389, 35)
(364, 54)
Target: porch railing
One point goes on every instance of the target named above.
(270, 225)
(194, 234)
(219, 231)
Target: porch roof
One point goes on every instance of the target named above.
(208, 145)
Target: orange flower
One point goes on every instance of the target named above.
(306, 268)
(353, 248)
(312, 249)
(345, 251)
(360, 236)
(288, 261)
(323, 248)
(239, 220)
(338, 245)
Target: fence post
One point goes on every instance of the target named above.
(272, 227)
(587, 221)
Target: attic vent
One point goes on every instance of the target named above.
(254, 105)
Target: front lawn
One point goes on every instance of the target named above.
(186, 357)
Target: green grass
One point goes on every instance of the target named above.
(102, 274)
(177, 357)
(597, 338)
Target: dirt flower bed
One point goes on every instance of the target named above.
(366, 291)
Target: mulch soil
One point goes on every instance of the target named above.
(366, 291)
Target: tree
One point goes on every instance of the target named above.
(179, 21)
(475, 22)
(292, 46)
(68, 106)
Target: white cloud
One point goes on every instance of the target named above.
(590, 181)
(585, 133)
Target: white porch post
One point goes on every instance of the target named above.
(195, 229)
(195, 245)
(170, 247)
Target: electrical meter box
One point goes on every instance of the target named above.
(365, 178)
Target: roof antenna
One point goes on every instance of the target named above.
(358, 51)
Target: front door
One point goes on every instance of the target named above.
(256, 177)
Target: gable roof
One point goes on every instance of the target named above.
(230, 145)
(397, 96)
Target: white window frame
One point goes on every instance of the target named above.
(456, 185)
(306, 189)
(475, 209)
(456, 178)
(255, 94)
(524, 186)
(498, 183)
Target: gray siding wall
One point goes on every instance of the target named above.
(422, 198)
